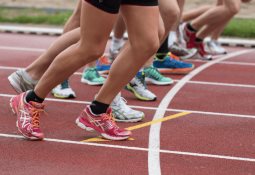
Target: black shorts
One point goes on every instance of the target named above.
(112, 6)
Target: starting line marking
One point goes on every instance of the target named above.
(194, 154)
(100, 139)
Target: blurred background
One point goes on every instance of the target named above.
(56, 12)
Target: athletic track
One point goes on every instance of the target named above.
(213, 134)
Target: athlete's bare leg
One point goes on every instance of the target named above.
(216, 15)
(93, 44)
(39, 66)
(136, 52)
(194, 13)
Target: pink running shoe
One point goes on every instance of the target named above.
(28, 115)
(103, 123)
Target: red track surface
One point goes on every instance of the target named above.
(216, 138)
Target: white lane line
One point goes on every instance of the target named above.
(220, 84)
(154, 135)
(148, 108)
(191, 82)
(237, 63)
(22, 49)
(215, 156)
(28, 49)
(227, 62)
(9, 68)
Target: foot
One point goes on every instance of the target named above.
(172, 66)
(152, 75)
(63, 90)
(138, 87)
(21, 82)
(91, 76)
(103, 124)
(123, 113)
(28, 116)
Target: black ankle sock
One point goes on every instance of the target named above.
(31, 96)
(199, 40)
(98, 107)
(163, 50)
(189, 26)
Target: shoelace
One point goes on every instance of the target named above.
(123, 104)
(141, 81)
(35, 115)
(174, 61)
(155, 73)
(109, 117)
(95, 72)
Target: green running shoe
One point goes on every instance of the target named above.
(91, 76)
(152, 75)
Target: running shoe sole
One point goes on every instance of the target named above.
(134, 120)
(90, 82)
(129, 88)
(152, 81)
(104, 135)
(62, 96)
(175, 71)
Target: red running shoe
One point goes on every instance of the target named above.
(103, 123)
(189, 37)
(28, 116)
(202, 54)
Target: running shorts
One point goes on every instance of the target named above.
(112, 6)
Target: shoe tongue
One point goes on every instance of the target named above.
(117, 98)
(37, 105)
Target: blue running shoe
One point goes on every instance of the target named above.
(172, 66)
(103, 65)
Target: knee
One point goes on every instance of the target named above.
(147, 47)
(233, 9)
(161, 32)
(171, 18)
(90, 51)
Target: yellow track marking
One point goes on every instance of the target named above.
(100, 139)
(158, 121)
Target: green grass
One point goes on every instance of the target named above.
(33, 16)
(244, 28)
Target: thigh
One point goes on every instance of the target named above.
(141, 22)
(96, 24)
(170, 13)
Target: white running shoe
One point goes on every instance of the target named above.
(21, 81)
(214, 47)
(123, 113)
(63, 90)
(138, 87)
